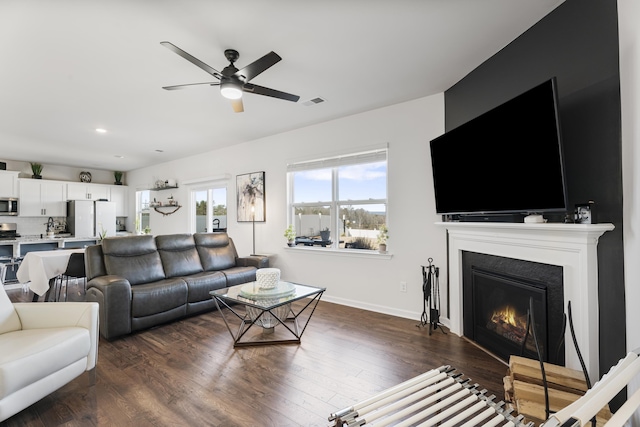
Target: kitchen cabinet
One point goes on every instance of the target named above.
(84, 191)
(42, 197)
(9, 184)
(120, 195)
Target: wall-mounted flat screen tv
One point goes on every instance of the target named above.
(507, 160)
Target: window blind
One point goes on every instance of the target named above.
(374, 156)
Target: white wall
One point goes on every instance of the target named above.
(368, 282)
(628, 18)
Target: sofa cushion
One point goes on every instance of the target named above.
(135, 258)
(201, 284)
(216, 251)
(157, 297)
(178, 254)
(38, 353)
(239, 275)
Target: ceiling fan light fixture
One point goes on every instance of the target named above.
(231, 90)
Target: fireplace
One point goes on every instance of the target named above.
(570, 247)
(496, 312)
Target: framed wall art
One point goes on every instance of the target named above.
(250, 193)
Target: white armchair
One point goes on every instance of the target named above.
(43, 346)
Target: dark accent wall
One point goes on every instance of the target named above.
(578, 44)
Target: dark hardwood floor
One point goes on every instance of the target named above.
(187, 373)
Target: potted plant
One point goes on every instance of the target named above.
(290, 235)
(36, 169)
(383, 235)
(325, 234)
(118, 177)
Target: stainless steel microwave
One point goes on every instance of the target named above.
(8, 206)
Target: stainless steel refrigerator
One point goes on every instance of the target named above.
(88, 218)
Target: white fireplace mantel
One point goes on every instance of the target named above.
(571, 246)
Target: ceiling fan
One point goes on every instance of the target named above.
(233, 81)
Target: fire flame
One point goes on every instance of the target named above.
(506, 315)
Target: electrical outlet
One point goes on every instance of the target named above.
(403, 286)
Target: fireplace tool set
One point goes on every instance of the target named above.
(431, 292)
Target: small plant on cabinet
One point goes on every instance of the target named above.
(36, 169)
(117, 175)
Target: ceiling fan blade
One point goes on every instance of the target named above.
(190, 84)
(257, 67)
(195, 61)
(237, 105)
(261, 90)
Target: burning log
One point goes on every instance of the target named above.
(508, 324)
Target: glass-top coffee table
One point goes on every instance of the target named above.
(261, 316)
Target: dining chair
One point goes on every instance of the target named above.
(75, 270)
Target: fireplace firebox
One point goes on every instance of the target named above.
(497, 295)
(500, 307)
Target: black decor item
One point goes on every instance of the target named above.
(431, 293)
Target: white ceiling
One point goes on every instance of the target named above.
(68, 67)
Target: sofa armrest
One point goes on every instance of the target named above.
(38, 315)
(113, 294)
(257, 261)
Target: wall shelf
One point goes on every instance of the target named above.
(161, 209)
(164, 188)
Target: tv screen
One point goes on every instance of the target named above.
(507, 160)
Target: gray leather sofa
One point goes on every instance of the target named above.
(143, 281)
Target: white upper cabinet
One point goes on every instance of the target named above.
(42, 197)
(120, 195)
(85, 191)
(49, 198)
(8, 184)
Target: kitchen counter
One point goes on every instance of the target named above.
(22, 245)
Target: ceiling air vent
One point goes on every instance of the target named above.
(313, 101)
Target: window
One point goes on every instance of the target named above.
(209, 208)
(142, 211)
(339, 202)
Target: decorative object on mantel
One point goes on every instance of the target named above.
(36, 168)
(290, 235)
(117, 175)
(383, 235)
(250, 193)
(585, 213)
(85, 176)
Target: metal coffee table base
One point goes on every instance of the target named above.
(286, 331)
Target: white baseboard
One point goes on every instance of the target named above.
(406, 314)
